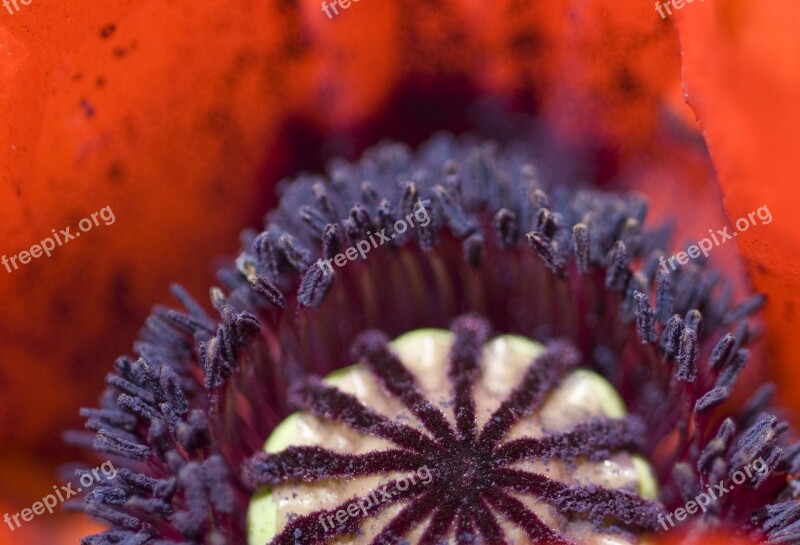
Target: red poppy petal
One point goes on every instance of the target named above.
(743, 81)
(356, 59)
(162, 112)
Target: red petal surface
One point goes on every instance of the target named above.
(742, 74)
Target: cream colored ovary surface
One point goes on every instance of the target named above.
(582, 395)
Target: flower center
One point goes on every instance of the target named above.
(462, 471)
(447, 434)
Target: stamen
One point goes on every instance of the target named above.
(687, 356)
(745, 308)
(730, 372)
(645, 318)
(358, 224)
(547, 251)
(717, 446)
(505, 223)
(546, 223)
(265, 288)
(756, 441)
(457, 220)
(619, 272)
(331, 241)
(694, 321)
(722, 352)
(663, 297)
(314, 286)
(580, 235)
(686, 480)
(473, 250)
(711, 399)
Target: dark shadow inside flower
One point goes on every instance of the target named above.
(467, 227)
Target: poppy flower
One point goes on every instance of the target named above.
(512, 240)
(620, 144)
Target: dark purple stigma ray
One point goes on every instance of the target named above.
(546, 370)
(485, 522)
(442, 520)
(327, 402)
(312, 464)
(597, 502)
(594, 439)
(373, 348)
(518, 514)
(412, 514)
(470, 334)
(465, 532)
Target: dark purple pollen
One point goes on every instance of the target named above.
(645, 318)
(618, 273)
(663, 297)
(505, 223)
(547, 250)
(687, 355)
